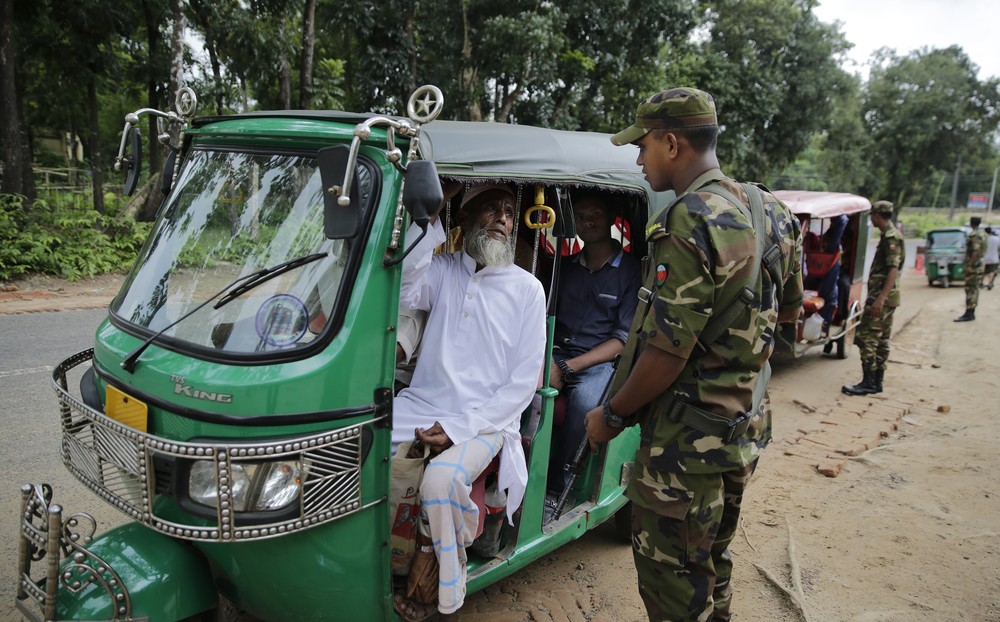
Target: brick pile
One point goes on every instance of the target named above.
(849, 428)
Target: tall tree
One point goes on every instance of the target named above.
(18, 177)
(770, 64)
(308, 50)
(924, 111)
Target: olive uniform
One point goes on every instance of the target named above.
(975, 252)
(688, 485)
(874, 331)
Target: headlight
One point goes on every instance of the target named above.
(255, 487)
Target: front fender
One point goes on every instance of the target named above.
(143, 573)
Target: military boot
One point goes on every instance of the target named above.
(866, 386)
(877, 376)
(968, 316)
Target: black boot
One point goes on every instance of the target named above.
(877, 376)
(968, 316)
(866, 386)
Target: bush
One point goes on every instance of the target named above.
(53, 237)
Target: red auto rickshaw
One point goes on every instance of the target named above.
(835, 243)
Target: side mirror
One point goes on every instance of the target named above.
(133, 164)
(339, 222)
(422, 194)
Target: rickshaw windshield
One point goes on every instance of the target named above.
(232, 214)
(946, 239)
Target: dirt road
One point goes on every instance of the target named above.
(907, 530)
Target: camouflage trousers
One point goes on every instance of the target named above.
(972, 282)
(872, 338)
(682, 553)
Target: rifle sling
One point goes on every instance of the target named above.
(677, 409)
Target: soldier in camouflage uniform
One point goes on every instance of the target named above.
(701, 434)
(875, 329)
(975, 251)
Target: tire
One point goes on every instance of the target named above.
(945, 283)
(623, 522)
(930, 282)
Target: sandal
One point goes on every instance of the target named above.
(412, 611)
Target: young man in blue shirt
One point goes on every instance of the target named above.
(598, 289)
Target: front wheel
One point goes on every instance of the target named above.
(944, 282)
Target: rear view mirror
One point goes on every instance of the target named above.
(133, 163)
(339, 221)
(422, 194)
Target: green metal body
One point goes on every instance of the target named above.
(168, 578)
(338, 570)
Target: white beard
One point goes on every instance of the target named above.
(487, 251)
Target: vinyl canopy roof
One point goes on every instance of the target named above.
(822, 204)
(518, 153)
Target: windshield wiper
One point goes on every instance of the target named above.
(236, 288)
(267, 274)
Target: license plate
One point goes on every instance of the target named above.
(943, 267)
(125, 409)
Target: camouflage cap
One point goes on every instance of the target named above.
(882, 207)
(671, 109)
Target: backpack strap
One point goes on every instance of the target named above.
(768, 256)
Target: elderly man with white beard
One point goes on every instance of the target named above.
(480, 359)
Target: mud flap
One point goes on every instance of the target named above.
(146, 575)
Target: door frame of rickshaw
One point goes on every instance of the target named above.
(528, 157)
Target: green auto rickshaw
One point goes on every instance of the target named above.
(237, 404)
(944, 255)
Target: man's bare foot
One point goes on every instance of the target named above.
(413, 611)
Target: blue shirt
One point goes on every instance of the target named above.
(596, 306)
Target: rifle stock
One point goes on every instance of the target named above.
(575, 467)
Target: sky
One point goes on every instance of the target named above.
(907, 25)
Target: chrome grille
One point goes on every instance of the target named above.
(116, 462)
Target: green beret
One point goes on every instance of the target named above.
(672, 109)
(882, 207)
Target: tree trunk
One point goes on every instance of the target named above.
(468, 79)
(176, 60)
(411, 40)
(152, 95)
(285, 75)
(96, 168)
(308, 47)
(18, 177)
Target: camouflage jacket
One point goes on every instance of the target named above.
(890, 253)
(701, 248)
(975, 251)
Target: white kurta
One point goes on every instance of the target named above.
(481, 353)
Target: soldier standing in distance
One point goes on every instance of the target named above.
(975, 251)
(703, 421)
(883, 298)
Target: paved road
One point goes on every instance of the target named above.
(32, 344)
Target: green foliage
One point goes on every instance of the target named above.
(925, 112)
(916, 222)
(55, 238)
(770, 64)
